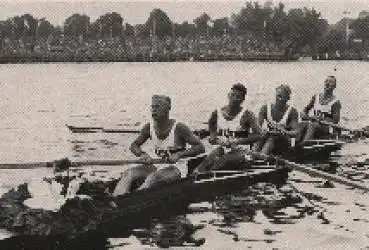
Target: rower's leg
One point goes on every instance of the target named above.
(162, 176)
(258, 146)
(311, 131)
(233, 160)
(301, 132)
(268, 146)
(133, 178)
(209, 161)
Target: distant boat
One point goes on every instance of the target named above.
(305, 58)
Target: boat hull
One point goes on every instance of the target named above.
(314, 151)
(110, 215)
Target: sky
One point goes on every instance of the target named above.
(135, 12)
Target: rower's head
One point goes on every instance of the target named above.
(160, 106)
(237, 94)
(283, 94)
(330, 84)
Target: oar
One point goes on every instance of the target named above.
(310, 171)
(33, 165)
(122, 131)
(200, 132)
(361, 132)
(75, 129)
(343, 128)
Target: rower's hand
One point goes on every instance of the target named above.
(273, 132)
(314, 118)
(196, 171)
(173, 158)
(272, 124)
(304, 116)
(227, 142)
(213, 140)
(145, 157)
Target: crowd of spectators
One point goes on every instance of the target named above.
(132, 47)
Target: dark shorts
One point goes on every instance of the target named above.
(282, 144)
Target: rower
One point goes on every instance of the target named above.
(280, 122)
(230, 128)
(169, 138)
(322, 107)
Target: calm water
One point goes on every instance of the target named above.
(38, 100)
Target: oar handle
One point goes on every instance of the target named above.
(333, 125)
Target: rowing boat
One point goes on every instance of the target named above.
(103, 213)
(314, 151)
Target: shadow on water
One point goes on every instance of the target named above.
(46, 243)
(163, 232)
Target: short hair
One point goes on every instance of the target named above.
(332, 78)
(285, 88)
(239, 87)
(163, 98)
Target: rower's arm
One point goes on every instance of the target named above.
(189, 138)
(310, 105)
(336, 113)
(140, 140)
(293, 123)
(262, 115)
(213, 124)
(249, 120)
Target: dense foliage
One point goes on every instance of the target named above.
(300, 29)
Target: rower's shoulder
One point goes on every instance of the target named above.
(337, 104)
(294, 111)
(182, 129)
(181, 126)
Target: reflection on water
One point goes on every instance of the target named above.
(179, 230)
(174, 231)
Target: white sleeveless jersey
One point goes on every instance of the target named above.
(167, 143)
(323, 109)
(163, 148)
(227, 129)
(282, 122)
(232, 125)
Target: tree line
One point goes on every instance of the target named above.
(297, 28)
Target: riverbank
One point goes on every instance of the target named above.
(142, 57)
